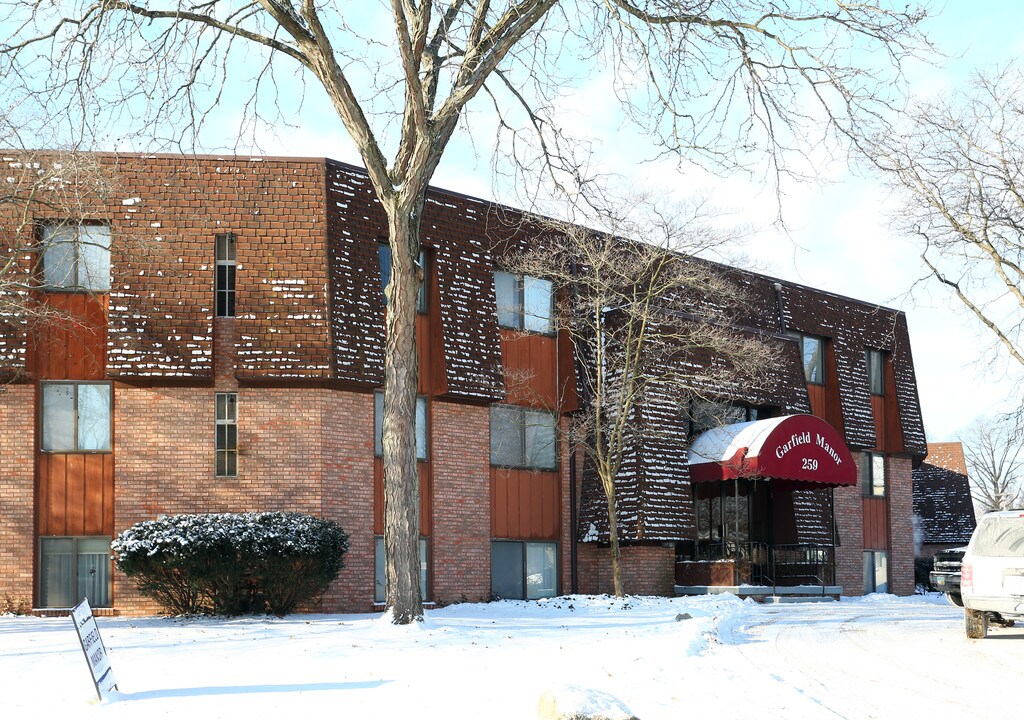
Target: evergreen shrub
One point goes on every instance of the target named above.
(232, 563)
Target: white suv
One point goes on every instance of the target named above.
(992, 576)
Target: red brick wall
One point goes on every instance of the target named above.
(901, 526)
(164, 254)
(17, 471)
(461, 543)
(347, 495)
(646, 570)
(569, 529)
(165, 451)
(849, 511)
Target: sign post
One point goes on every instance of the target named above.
(92, 646)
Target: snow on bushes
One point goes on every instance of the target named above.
(232, 563)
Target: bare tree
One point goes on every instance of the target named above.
(646, 319)
(959, 163)
(994, 449)
(729, 82)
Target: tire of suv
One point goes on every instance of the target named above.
(954, 599)
(976, 623)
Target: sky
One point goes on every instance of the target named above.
(837, 234)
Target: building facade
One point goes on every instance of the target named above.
(211, 340)
(943, 507)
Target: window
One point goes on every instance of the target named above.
(76, 257)
(876, 371)
(872, 474)
(227, 434)
(524, 570)
(225, 277)
(812, 350)
(71, 569)
(707, 414)
(379, 576)
(876, 571)
(522, 438)
(378, 425)
(385, 275)
(524, 302)
(76, 417)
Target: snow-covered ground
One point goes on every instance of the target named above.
(875, 657)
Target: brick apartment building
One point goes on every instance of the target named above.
(943, 507)
(217, 346)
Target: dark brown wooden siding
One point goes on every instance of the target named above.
(75, 494)
(876, 524)
(531, 365)
(74, 491)
(525, 504)
(72, 344)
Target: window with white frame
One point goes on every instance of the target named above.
(224, 290)
(227, 434)
(380, 576)
(76, 256)
(876, 571)
(524, 570)
(523, 438)
(524, 302)
(73, 568)
(812, 351)
(76, 417)
(876, 371)
(378, 425)
(872, 474)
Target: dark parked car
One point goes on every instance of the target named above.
(945, 574)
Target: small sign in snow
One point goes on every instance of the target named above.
(92, 646)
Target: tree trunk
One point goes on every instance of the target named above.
(613, 538)
(398, 434)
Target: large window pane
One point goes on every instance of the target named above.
(877, 474)
(507, 296)
(876, 372)
(421, 428)
(506, 436)
(77, 257)
(540, 439)
(58, 257)
(93, 417)
(536, 304)
(94, 257)
(378, 423)
(58, 417)
(56, 570)
(379, 581)
(541, 570)
(71, 569)
(94, 571)
(881, 572)
(507, 570)
(813, 366)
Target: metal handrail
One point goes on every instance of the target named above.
(768, 564)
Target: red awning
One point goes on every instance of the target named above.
(803, 448)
